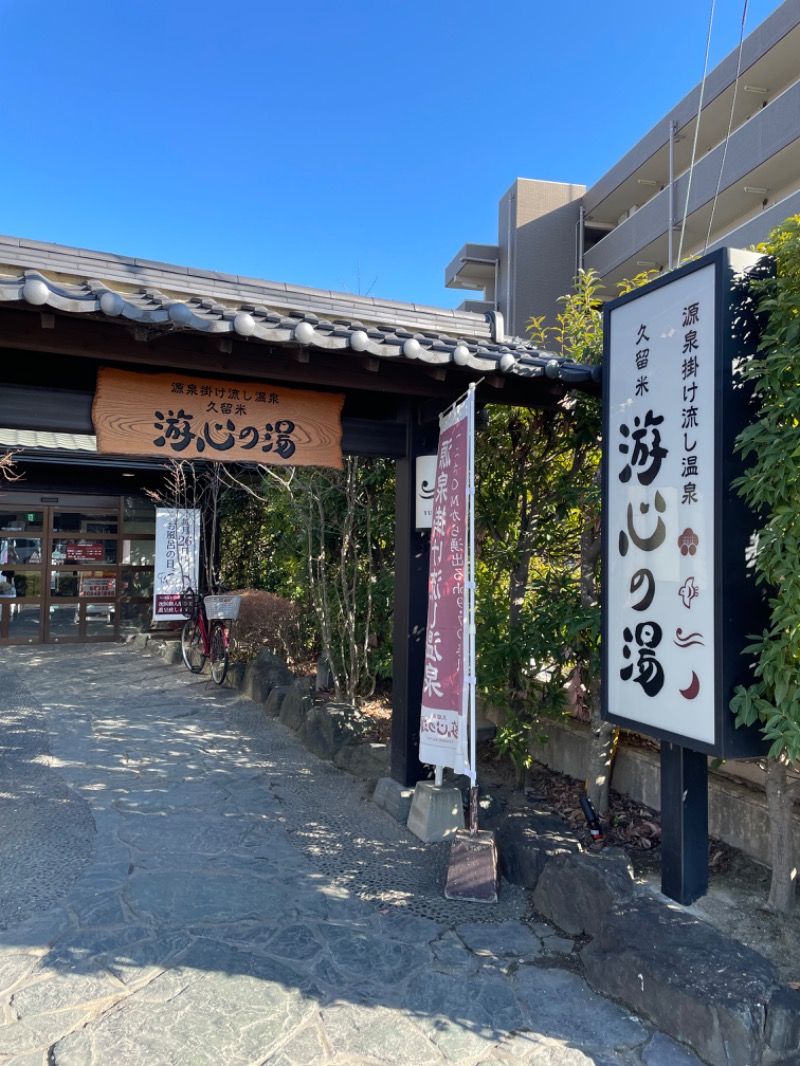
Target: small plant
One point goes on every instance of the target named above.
(266, 621)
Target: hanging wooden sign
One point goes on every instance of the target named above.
(183, 416)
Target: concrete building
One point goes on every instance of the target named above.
(654, 207)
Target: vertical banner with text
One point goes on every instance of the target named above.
(444, 731)
(177, 560)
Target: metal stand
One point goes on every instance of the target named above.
(684, 823)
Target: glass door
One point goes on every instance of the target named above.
(76, 573)
(83, 553)
(23, 550)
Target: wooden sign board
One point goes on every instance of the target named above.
(182, 416)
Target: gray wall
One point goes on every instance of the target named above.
(537, 234)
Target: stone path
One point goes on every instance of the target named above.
(182, 883)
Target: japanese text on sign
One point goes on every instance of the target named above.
(177, 559)
(443, 718)
(660, 508)
(187, 417)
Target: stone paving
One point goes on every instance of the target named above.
(182, 883)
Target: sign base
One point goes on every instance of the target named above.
(472, 873)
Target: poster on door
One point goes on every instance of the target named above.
(177, 560)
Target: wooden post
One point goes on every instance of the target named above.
(410, 606)
(684, 823)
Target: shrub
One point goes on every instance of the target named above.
(266, 621)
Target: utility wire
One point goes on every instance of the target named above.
(696, 134)
(730, 127)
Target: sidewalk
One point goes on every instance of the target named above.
(181, 882)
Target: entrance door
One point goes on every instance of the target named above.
(72, 574)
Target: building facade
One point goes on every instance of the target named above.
(77, 526)
(654, 207)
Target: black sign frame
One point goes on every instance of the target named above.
(740, 606)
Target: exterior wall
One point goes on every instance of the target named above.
(537, 231)
(769, 134)
(754, 230)
(769, 35)
(631, 212)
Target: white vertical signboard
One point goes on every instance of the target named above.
(177, 560)
(659, 509)
(426, 480)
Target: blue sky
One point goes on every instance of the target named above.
(351, 147)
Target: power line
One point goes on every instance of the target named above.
(696, 134)
(730, 127)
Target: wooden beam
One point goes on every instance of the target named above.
(438, 373)
(29, 407)
(412, 549)
(112, 342)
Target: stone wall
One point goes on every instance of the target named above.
(737, 805)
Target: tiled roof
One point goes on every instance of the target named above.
(30, 440)
(43, 446)
(159, 298)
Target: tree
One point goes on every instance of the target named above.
(7, 472)
(541, 496)
(535, 472)
(771, 487)
(333, 533)
(197, 486)
(579, 336)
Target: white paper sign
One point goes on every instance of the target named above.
(177, 560)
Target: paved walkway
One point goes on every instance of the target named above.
(182, 883)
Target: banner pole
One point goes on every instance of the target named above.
(472, 387)
(470, 581)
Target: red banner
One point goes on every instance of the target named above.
(443, 720)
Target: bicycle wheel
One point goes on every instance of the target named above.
(192, 646)
(219, 653)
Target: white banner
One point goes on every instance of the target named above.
(177, 560)
(448, 692)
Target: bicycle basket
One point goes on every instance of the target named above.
(189, 603)
(226, 607)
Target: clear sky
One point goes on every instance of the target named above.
(350, 146)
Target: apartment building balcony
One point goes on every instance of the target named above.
(475, 268)
(760, 170)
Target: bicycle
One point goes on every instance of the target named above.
(207, 636)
